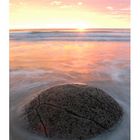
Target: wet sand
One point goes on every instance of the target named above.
(36, 66)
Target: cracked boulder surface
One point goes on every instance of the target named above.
(72, 111)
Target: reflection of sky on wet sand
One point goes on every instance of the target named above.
(36, 66)
(84, 60)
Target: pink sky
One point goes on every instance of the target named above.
(69, 13)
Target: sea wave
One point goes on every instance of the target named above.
(123, 35)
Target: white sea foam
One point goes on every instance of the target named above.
(110, 74)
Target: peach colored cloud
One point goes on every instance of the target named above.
(91, 13)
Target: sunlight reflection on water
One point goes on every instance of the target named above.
(40, 65)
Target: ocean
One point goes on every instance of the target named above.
(40, 59)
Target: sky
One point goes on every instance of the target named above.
(80, 14)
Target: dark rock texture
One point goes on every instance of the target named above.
(72, 111)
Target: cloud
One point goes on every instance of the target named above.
(61, 4)
(118, 11)
(80, 3)
(125, 9)
(66, 6)
(110, 8)
(56, 3)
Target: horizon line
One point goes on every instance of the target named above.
(13, 29)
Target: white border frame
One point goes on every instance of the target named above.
(4, 70)
(135, 70)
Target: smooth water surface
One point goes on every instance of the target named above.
(39, 60)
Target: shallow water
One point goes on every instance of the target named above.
(35, 66)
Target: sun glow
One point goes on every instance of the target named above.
(81, 26)
(81, 29)
(67, 14)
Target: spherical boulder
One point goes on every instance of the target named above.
(72, 111)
